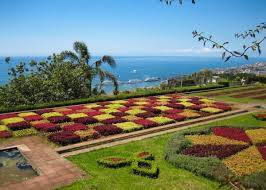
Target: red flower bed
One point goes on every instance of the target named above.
(123, 109)
(222, 107)
(173, 111)
(75, 127)
(153, 110)
(175, 106)
(197, 102)
(85, 120)
(106, 130)
(76, 107)
(129, 104)
(231, 133)
(99, 108)
(103, 103)
(262, 150)
(5, 134)
(7, 115)
(47, 127)
(146, 115)
(94, 113)
(67, 112)
(114, 120)
(64, 138)
(59, 119)
(33, 118)
(176, 117)
(42, 111)
(19, 125)
(195, 107)
(146, 123)
(119, 114)
(219, 151)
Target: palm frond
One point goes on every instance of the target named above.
(82, 50)
(69, 55)
(109, 60)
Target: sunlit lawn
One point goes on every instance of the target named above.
(169, 178)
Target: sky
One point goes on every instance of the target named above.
(123, 27)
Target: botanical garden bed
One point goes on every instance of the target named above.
(73, 124)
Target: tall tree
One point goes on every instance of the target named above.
(81, 56)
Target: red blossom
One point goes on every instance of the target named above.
(19, 125)
(106, 130)
(64, 138)
(262, 150)
(8, 115)
(59, 119)
(47, 127)
(85, 120)
(114, 120)
(75, 127)
(231, 133)
(146, 123)
(5, 134)
(32, 118)
(176, 117)
(145, 115)
(42, 111)
(173, 111)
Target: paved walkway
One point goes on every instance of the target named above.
(54, 171)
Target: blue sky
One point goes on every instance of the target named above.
(122, 27)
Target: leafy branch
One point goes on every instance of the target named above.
(227, 53)
(169, 2)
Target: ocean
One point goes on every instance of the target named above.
(138, 71)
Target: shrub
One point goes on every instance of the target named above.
(87, 134)
(64, 138)
(114, 120)
(108, 129)
(12, 120)
(211, 110)
(176, 117)
(128, 126)
(231, 133)
(254, 181)
(161, 120)
(47, 127)
(18, 126)
(51, 114)
(75, 127)
(5, 134)
(146, 115)
(24, 132)
(85, 120)
(114, 162)
(145, 123)
(33, 118)
(144, 155)
(59, 119)
(145, 168)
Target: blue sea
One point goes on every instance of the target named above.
(133, 71)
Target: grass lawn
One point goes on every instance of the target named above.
(227, 98)
(169, 177)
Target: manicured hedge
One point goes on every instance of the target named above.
(145, 168)
(114, 162)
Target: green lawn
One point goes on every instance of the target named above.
(169, 178)
(227, 98)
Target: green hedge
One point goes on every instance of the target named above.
(114, 162)
(138, 168)
(138, 93)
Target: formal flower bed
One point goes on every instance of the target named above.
(261, 116)
(121, 116)
(222, 152)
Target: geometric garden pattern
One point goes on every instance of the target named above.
(73, 124)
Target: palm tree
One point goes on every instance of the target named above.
(81, 57)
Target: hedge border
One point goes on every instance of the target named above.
(102, 98)
(106, 162)
(153, 172)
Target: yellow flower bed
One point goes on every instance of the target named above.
(213, 139)
(246, 162)
(128, 126)
(211, 110)
(161, 120)
(183, 99)
(205, 100)
(110, 110)
(94, 124)
(119, 102)
(131, 117)
(186, 104)
(257, 136)
(39, 121)
(142, 103)
(25, 114)
(51, 114)
(77, 115)
(85, 134)
(114, 106)
(3, 128)
(135, 111)
(190, 114)
(12, 120)
(61, 109)
(103, 117)
(91, 106)
(163, 108)
(164, 97)
(163, 100)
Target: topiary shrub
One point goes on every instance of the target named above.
(114, 162)
(145, 168)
